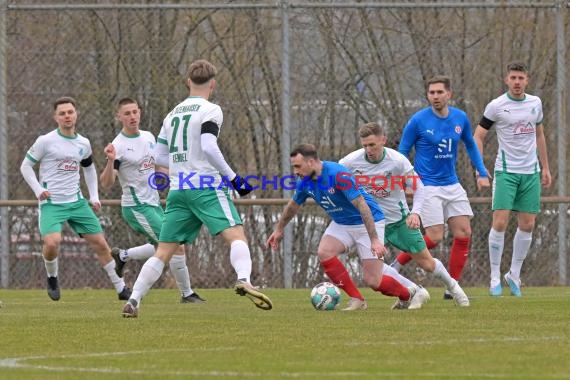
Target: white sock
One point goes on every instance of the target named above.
(521, 245)
(396, 265)
(240, 259)
(388, 270)
(51, 267)
(180, 272)
(142, 252)
(149, 274)
(496, 245)
(117, 281)
(441, 273)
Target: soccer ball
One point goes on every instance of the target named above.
(325, 296)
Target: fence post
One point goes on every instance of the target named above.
(561, 10)
(286, 139)
(4, 227)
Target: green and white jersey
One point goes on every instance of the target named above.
(136, 157)
(515, 122)
(181, 132)
(60, 157)
(383, 186)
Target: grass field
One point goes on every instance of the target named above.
(83, 336)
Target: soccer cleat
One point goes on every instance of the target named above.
(119, 264)
(355, 304)
(53, 288)
(130, 310)
(401, 305)
(259, 299)
(125, 294)
(418, 298)
(459, 295)
(514, 285)
(496, 291)
(447, 295)
(192, 298)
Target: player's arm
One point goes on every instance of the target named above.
(27, 170)
(408, 139)
(288, 213)
(91, 181)
(34, 155)
(111, 169)
(543, 156)
(161, 155)
(414, 182)
(376, 245)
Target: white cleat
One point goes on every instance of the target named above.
(419, 297)
(459, 295)
(355, 304)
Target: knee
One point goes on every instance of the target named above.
(52, 245)
(427, 264)
(325, 254)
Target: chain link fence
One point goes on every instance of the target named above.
(349, 64)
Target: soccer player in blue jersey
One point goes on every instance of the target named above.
(517, 118)
(435, 133)
(357, 220)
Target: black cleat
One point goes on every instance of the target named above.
(53, 288)
(119, 264)
(125, 294)
(192, 298)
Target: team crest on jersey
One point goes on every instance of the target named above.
(458, 129)
(68, 165)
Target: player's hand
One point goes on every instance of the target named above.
(110, 152)
(377, 248)
(95, 205)
(44, 195)
(274, 239)
(413, 221)
(482, 182)
(243, 188)
(546, 178)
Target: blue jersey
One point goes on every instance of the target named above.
(334, 190)
(436, 139)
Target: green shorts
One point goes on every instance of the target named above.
(78, 215)
(145, 219)
(516, 192)
(405, 239)
(187, 210)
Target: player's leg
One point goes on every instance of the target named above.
(180, 272)
(505, 187)
(149, 274)
(85, 223)
(335, 241)
(527, 203)
(51, 219)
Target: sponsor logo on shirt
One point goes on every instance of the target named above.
(523, 128)
(146, 164)
(68, 165)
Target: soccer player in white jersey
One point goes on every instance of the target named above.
(60, 154)
(199, 195)
(385, 173)
(517, 118)
(130, 157)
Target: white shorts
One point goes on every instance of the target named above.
(444, 202)
(356, 235)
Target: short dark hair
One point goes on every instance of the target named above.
(370, 129)
(439, 79)
(64, 100)
(126, 100)
(517, 66)
(305, 150)
(201, 71)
